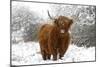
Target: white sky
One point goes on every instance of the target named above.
(39, 8)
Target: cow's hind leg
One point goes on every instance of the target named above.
(48, 56)
(55, 55)
(60, 53)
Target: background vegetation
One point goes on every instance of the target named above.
(26, 23)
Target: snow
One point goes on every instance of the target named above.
(29, 53)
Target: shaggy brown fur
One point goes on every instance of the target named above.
(54, 39)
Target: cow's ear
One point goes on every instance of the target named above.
(56, 21)
(71, 21)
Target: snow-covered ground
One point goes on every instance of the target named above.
(29, 53)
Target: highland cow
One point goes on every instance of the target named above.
(54, 38)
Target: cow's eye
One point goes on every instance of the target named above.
(62, 23)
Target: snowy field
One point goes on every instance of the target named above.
(29, 53)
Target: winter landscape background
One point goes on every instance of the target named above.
(28, 17)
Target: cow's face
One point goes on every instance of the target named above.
(64, 23)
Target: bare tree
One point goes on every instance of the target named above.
(23, 24)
